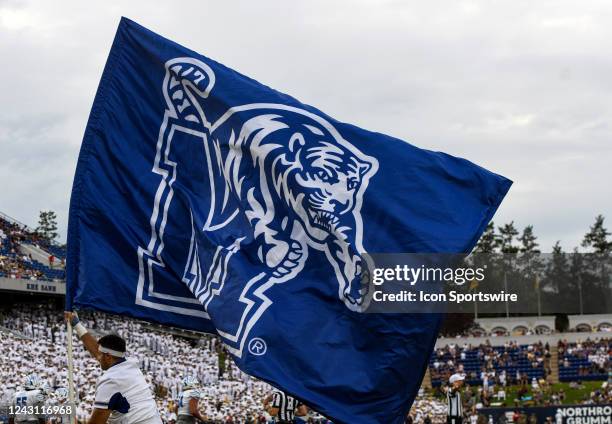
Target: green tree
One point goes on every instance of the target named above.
(578, 276)
(486, 256)
(507, 247)
(529, 266)
(596, 280)
(528, 241)
(506, 238)
(597, 237)
(557, 269)
(560, 290)
(487, 242)
(47, 225)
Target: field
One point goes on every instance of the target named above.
(572, 396)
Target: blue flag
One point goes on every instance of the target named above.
(208, 201)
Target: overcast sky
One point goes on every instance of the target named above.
(523, 88)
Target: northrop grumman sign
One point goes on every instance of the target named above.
(586, 414)
(33, 286)
(567, 414)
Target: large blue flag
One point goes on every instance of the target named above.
(208, 201)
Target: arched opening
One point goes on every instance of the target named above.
(583, 328)
(543, 329)
(519, 330)
(478, 332)
(499, 331)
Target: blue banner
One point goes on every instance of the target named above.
(208, 201)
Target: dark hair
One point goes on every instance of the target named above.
(112, 341)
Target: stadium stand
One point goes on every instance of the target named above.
(427, 408)
(511, 362)
(584, 361)
(34, 340)
(15, 264)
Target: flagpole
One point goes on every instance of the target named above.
(474, 286)
(580, 293)
(71, 396)
(538, 294)
(506, 289)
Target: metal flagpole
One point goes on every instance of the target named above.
(506, 289)
(71, 397)
(537, 287)
(474, 286)
(580, 293)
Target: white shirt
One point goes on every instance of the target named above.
(126, 379)
(185, 398)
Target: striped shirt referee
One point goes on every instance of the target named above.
(453, 397)
(283, 407)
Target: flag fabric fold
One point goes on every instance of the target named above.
(207, 201)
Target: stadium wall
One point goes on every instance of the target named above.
(590, 322)
(551, 339)
(518, 325)
(33, 286)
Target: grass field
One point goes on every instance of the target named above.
(572, 396)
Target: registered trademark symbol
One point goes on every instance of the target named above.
(257, 346)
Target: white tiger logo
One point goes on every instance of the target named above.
(282, 181)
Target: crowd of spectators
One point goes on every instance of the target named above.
(14, 264)
(515, 375)
(486, 364)
(588, 360)
(36, 344)
(427, 409)
(34, 340)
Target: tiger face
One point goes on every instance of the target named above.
(330, 181)
(325, 180)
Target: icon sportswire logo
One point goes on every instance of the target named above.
(278, 181)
